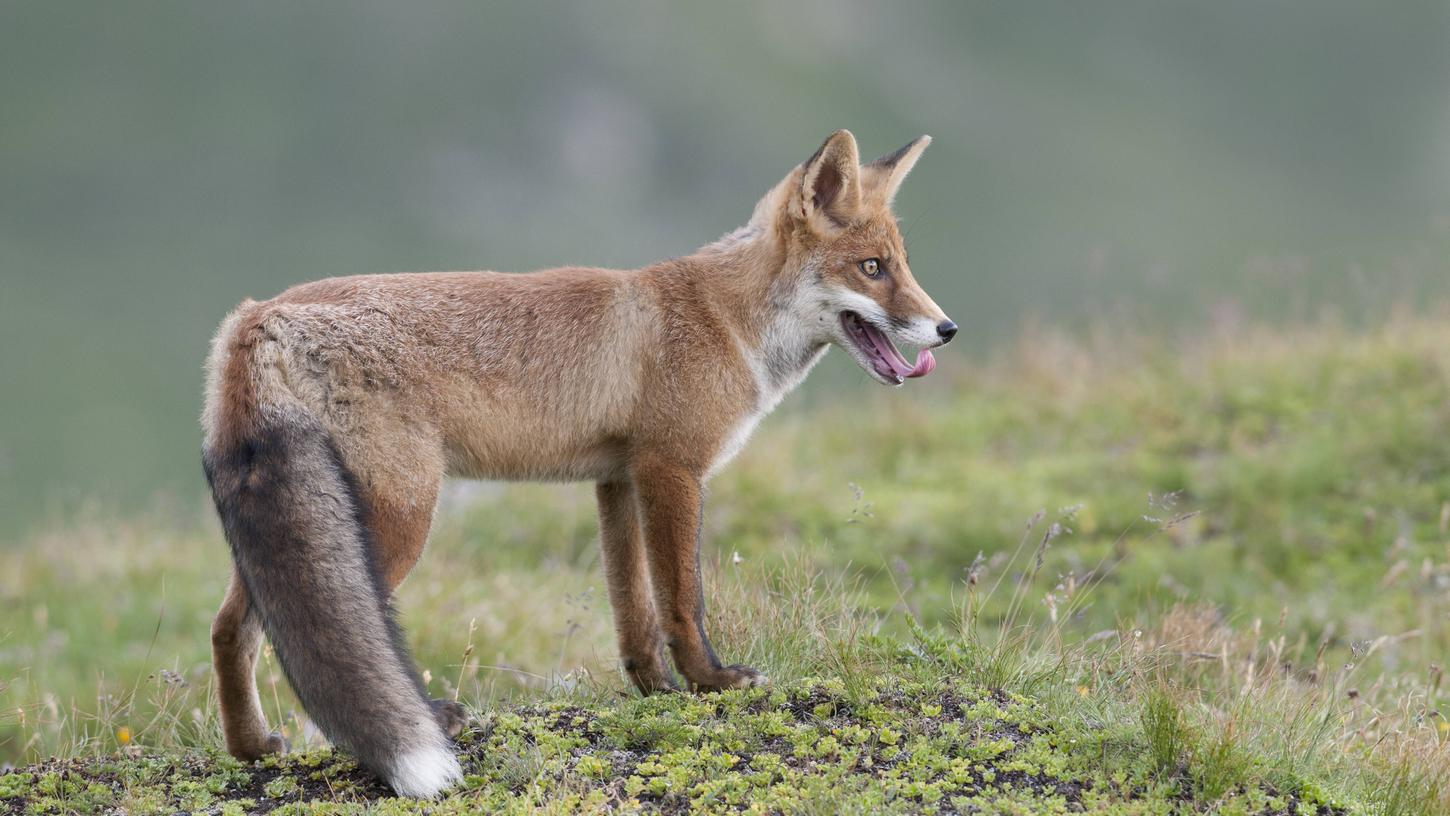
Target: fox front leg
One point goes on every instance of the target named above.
(670, 503)
(626, 570)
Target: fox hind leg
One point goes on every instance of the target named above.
(236, 638)
(400, 531)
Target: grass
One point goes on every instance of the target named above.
(1107, 574)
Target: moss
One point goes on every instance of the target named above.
(282, 787)
(910, 747)
(14, 785)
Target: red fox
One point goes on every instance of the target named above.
(334, 411)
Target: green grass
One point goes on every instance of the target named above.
(1121, 575)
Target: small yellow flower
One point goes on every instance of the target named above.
(1082, 691)
(123, 735)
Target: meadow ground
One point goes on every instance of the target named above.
(1105, 575)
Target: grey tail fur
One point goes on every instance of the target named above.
(292, 516)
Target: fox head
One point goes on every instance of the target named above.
(852, 284)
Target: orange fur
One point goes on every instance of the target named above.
(645, 381)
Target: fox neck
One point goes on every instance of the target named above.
(763, 293)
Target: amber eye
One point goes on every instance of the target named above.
(871, 268)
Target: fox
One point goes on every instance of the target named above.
(334, 411)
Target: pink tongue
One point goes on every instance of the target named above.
(924, 364)
(898, 365)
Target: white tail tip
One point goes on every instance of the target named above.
(425, 772)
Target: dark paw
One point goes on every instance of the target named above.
(451, 716)
(658, 684)
(730, 677)
(273, 743)
(277, 744)
(651, 677)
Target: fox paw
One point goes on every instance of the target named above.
(273, 743)
(277, 744)
(451, 716)
(731, 677)
(650, 677)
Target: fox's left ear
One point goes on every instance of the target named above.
(882, 178)
(830, 193)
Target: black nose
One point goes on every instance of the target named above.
(947, 330)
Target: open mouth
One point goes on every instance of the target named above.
(881, 353)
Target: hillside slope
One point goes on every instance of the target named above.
(1114, 576)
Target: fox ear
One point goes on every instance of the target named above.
(882, 178)
(830, 193)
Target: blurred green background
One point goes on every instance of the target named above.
(1160, 164)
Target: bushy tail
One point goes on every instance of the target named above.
(292, 517)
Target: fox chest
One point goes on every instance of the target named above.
(771, 388)
(734, 441)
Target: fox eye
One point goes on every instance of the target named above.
(871, 267)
